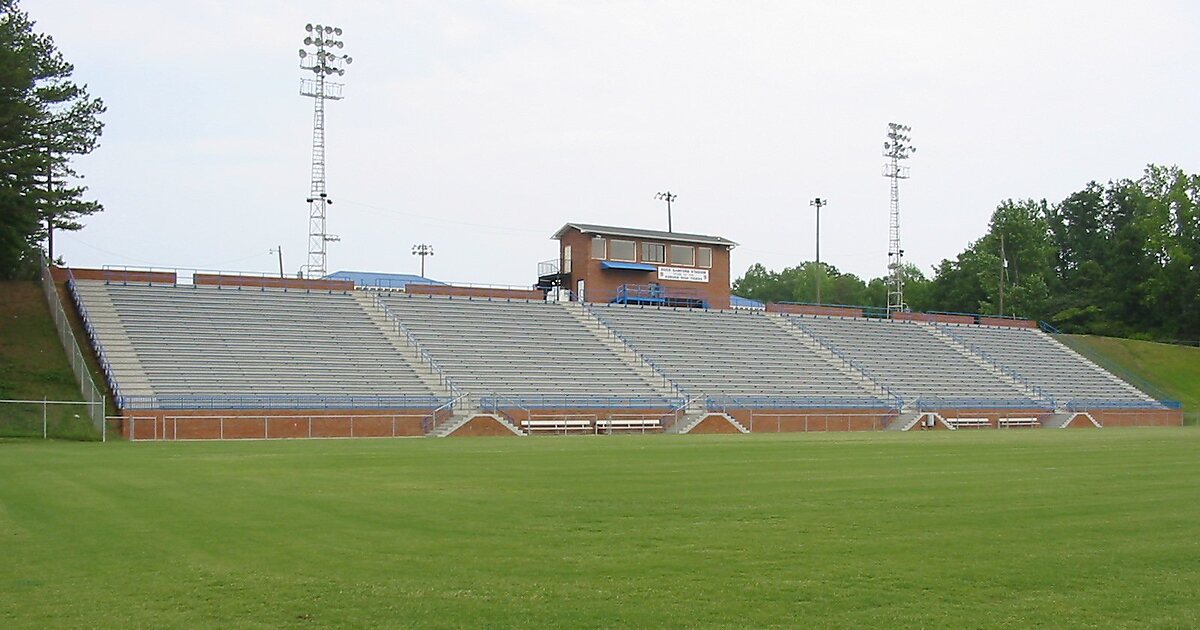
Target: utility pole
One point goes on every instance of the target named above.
(897, 147)
(819, 203)
(322, 62)
(278, 249)
(422, 251)
(668, 197)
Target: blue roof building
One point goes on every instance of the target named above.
(375, 280)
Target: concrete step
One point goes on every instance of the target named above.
(448, 426)
(904, 421)
(634, 359)
(978, 359)
(400, 343)
(810, 342)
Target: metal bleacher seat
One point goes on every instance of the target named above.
(1045, 363)
(519, 350)
(913, 362)
(209, 344)
(732, 354)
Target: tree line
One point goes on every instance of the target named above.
(46, 120)
(1118, 259)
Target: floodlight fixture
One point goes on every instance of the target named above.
(897, 147)
(819, 203)
(323, 63)
(667, 197)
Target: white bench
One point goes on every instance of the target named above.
(628, 424)
(974, 423)
(1019, 422)
(561, 425)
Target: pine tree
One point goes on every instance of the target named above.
(46, 120)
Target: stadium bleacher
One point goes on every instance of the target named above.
(915, 363)
(736, 354)
(225, 347)
(1046, 364)
(168, 346)
(526, 352)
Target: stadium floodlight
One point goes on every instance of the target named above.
(897, 147)
(819, 203)
(422, 250)
(322, 62)
(667, 197)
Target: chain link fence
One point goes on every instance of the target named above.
(49, 419)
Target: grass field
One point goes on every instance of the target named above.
(988, 528)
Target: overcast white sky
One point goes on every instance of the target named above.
(481, 127)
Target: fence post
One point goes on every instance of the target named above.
(43, 417)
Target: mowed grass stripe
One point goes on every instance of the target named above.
(1015, 528)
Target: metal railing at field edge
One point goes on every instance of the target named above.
(92, 395)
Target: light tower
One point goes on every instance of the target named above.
(897, 147)
(667, 197)
(318, 58)
(422, 250)
(819, 203)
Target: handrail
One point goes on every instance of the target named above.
(101, 356)
(897, 399)
(1083, 404)
(432, 417)
(394, 319)
(87, 385)
(930, 403)
(1047, 327)
(277, 401)
(724, 401)
(579, 401)
(679, 391)
(874, 312)
(987, 356)
(673, 414)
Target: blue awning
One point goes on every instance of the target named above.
(627, 266)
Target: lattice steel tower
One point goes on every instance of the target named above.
(897, 147)
(317, 57)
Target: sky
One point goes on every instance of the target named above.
(480, 128)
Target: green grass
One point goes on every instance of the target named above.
(33, 366)
(1175, 370)
(965, 529)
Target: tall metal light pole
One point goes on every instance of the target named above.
(819, 203)
(318, 57)
(897, 147)
(422, 251)
(668, 197)
(278, 249)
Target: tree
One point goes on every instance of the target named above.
(45, 120)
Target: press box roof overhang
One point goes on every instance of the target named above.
(604, 230)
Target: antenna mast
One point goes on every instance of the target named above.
(317, 57)
(897, 147)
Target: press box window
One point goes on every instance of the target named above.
(599, 249)
(704, 257)
(683, 255)
(623, 250)
(654, 253)
(566, 263)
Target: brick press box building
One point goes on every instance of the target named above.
(604, 264)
